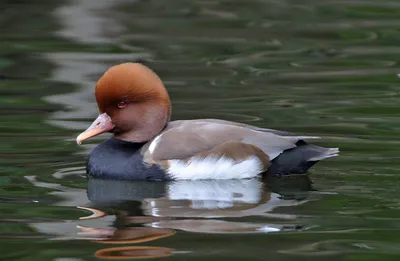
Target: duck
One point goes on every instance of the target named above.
(135, 107)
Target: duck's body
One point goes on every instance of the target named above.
(147, 146)
(205, 149)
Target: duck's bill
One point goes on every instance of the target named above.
(102, 124)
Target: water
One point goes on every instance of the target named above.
(317, 68)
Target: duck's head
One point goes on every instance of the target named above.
(133, 104)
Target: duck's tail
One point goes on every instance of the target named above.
(299, 159)
(317, 153)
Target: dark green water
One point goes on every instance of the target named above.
(326, 68)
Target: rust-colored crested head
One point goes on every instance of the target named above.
(130, 82)
(133, 104)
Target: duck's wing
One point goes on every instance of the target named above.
(184, 139)
(278, 132)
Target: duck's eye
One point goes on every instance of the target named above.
(121, 104)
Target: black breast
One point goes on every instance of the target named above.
(116, 159)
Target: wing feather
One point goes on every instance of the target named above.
(183, 139)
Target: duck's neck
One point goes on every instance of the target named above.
(119, 142)
(149, 122)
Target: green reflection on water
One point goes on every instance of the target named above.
(318, 68)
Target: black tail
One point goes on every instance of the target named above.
(299, 159)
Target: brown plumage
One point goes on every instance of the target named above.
(130, 82)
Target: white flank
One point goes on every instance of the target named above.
(213, 167)
(154, 143)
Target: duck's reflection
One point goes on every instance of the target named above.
(122, 212)
(112, 235)
(130, 252)
(217, 199)
(199, 205)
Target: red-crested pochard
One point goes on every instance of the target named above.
(134, 105)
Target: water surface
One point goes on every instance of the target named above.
(326, 68)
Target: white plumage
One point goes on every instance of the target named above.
(213, 167)
(154, 143)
